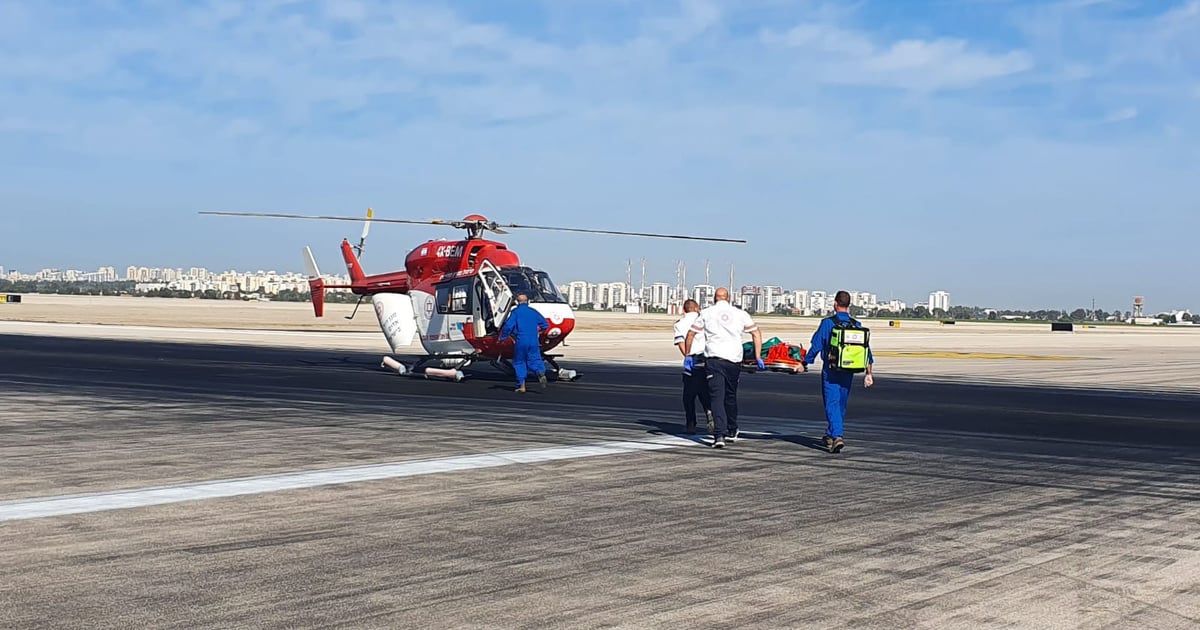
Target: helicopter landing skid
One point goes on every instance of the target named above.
(423, 369)
(563, 374)
(558, 372)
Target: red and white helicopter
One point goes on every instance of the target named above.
(454, 295)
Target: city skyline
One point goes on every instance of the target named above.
(1018, 152)
(254, 280)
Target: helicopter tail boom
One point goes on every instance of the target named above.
(352, 265)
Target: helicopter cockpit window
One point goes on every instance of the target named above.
(535, 284)
(549, 292)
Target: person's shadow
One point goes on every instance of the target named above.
(677, 429)
(816, 444)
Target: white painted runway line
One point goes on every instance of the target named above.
(14, 326)
(43, 507)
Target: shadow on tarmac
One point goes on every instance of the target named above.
(611, 394)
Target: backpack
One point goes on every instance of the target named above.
(848, 345)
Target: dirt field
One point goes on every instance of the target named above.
(195, 313)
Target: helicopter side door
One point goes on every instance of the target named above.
(497, 298)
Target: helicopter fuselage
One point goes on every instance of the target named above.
(459, 293)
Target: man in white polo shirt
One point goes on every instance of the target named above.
(695, 381)
(723, 325)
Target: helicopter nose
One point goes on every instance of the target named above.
(560, 317)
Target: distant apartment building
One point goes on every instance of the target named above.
(747, 298)
(770, 297)
(864, 300)
(939, 300)
(798, 301)
(819, 303)
(759, 299)
(610, 295)
(579, 293)
(660, 295)
(704, 294)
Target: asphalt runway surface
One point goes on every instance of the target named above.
(188, 486)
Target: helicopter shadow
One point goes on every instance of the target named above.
(352, 362)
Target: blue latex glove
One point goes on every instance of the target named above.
(688, 363)
(761, 365)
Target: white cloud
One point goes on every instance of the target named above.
(1120, 115)
(943, 63)
(345, 10)
(694, 18)
(823, 38)
(851, 57)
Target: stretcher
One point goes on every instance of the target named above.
(776, 355)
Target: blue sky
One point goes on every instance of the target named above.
(1011, 152)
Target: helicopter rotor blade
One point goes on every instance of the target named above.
(367, 224)
(618, 233)
(362, 241)
(277, 215)
(498, 228)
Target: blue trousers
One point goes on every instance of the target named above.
(835, 392)
(526, 358)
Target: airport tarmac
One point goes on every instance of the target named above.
(1145, 359)
(295, 484)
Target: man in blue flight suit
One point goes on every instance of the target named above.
(835, 382)
(524, 324)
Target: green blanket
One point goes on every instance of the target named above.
(795, 352)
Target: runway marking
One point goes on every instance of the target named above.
(43, 507)
(250, 332)
(945, 354)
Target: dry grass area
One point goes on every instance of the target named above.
(195, 313)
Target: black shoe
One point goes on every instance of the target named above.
(734, 436)
(719, 443)
(690, 428)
